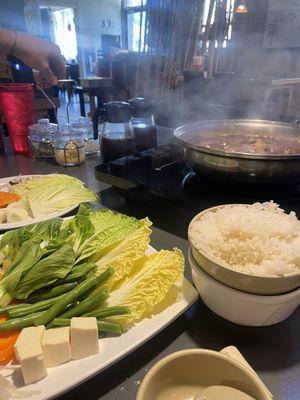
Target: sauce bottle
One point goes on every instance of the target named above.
(143, 123)
(117, 137)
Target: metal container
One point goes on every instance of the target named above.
(240, 167)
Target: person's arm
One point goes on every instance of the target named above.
(7, 40)
(34, 52)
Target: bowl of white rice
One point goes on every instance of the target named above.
(253, 248)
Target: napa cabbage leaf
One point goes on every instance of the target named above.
(149, 286)
(123, 257)
(109, 230)
(53, 193)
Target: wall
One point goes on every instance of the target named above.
(251, 59)
(91, 13)
(89, 16)
(12, 15)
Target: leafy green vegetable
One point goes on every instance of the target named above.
(52, 193)
(124, 256)
(110, 229)
(28, 255)
(11, 242)
(51, 254)
(84, 209)
(46, 231)
(149, 286)
(43, 232)
(46, 271)
(81, 228)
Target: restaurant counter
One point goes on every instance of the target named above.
(274, 352)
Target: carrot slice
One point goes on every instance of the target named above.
(7, 341)
(7, 198)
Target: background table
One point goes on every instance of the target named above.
(100, 88)
(274, 352)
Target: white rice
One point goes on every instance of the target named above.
(259, 239)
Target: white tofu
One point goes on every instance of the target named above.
(5, 388)
(17, 214)
(84, 337)
(2, 216)
(31, 334)
(18, 204)
(32, 362)
(56, 346)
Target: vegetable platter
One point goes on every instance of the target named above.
(96, 265)
(27, 199)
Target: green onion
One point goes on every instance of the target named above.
(34, 308)
(50, 293)
(70, 297)
(91, 302)
(108, 312)
(19, 323)
(103, 327)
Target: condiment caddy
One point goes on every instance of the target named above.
(126, 128)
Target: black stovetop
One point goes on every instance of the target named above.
(161, 172)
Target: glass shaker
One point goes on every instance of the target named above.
(85, 126)
(69, 146)
(117, 138)
(41, 138)
(143, 123)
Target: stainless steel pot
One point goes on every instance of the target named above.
(240, 167)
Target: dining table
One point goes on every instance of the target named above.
(273, 351)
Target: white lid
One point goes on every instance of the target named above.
(43, 121)
(84, 121)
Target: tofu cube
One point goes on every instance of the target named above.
(17, 214)
(2, 216)
(6, 388)
(32, 362)
(84, 337)
(30, 334)
(56, 346)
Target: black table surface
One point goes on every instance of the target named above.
(274, 352)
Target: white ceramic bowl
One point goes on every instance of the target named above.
(246, 282)
(240, 307)
(182, 375)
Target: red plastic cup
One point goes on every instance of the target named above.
(16, 104)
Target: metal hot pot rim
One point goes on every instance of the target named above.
(239, 167)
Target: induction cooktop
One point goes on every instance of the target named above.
(162, 172)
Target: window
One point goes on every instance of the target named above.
(229, 11)
(135, 24)
(64, 32)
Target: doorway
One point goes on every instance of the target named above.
(63, 31)
(59, 24)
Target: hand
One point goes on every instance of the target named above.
(41, 55)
